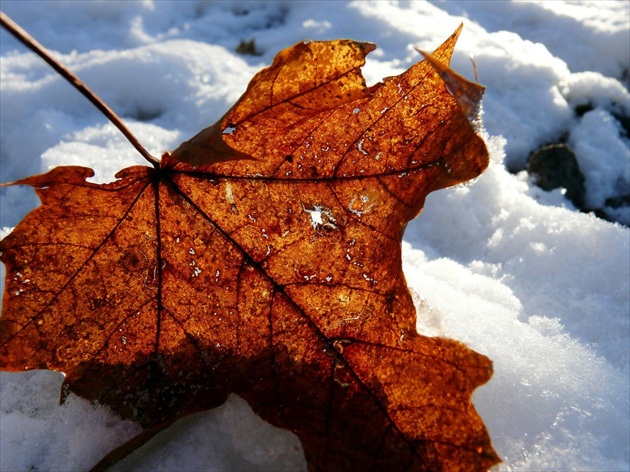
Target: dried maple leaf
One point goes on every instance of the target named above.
(263, 258)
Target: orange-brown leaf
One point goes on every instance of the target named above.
(263, 258)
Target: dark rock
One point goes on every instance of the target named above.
(555, 166)
(248, 48)
(580, 110)
(618, 201)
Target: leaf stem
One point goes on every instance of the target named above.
(41, 51)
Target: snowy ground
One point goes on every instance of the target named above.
(515, 272)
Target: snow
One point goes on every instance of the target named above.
(595, 135)
(514, 272)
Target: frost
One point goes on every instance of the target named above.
(360, 147)
(228, 193)
(321, 217)
(360, 205)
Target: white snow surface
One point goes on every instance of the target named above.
(514, 272)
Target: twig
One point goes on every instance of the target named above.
(41, 51)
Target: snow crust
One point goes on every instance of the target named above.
(514, 272)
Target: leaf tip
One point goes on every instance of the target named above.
(467, 94)
(61, 174)
(367, 47)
